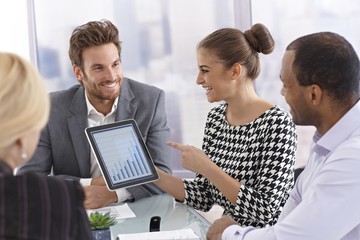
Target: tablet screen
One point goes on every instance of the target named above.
(122, 155)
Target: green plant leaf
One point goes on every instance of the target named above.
(101, 220)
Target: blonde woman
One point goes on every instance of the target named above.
(31, 206)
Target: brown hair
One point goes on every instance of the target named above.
(231, 46)
(94, 33)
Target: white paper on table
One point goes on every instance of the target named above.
(118, 211)
(161, 235)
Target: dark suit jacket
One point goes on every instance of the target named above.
(33, 206)
(63, 146)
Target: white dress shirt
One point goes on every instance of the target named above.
(95, 119)
(324, 203)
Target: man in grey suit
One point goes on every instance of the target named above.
(103, 96)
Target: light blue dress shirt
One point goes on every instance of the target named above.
(325, 202)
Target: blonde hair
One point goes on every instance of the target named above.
(24, 100)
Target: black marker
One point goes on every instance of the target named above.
(155, 224)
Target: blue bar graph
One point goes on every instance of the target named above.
(122, 154)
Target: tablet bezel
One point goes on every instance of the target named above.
(90, 131)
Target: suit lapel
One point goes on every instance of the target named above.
(77, 124)
(126, 108)
(127, 104)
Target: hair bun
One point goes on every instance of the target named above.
(260, 39)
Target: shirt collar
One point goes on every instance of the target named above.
(339, 132)
(92, 110)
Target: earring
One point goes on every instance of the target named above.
(23, 155)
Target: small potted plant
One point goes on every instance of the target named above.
(100, 225)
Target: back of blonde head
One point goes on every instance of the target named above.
(24, 100)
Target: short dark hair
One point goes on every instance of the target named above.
(94, 33)
(230, 46)
(328, 60)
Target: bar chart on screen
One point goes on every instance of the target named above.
(123, 155)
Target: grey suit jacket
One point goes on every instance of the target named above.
(64, 149)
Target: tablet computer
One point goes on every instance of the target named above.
(121, 153)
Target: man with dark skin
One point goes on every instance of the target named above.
(320, 76)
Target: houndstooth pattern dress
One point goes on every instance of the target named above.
(260, 154)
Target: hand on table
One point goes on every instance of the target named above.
(98, 196)
(99, 181)
(217, 228)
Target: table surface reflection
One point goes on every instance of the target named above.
(174, 215)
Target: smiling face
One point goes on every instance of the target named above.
(213, 77)
(102, 73)
(297, 97)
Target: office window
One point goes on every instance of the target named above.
(14, 28)
(288, 20)
(159, 42)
